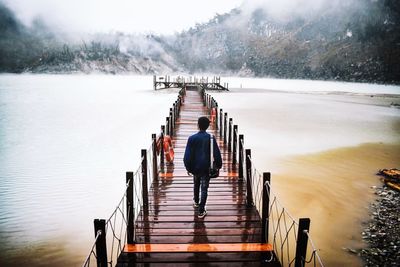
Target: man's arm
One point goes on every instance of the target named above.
(187, 156)
(217, 155)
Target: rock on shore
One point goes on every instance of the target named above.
(382, 232)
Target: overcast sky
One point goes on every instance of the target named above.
(158, 16)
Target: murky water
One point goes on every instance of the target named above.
(65, 144)
(323, 150)
(67, 140)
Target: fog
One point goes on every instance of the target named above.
(154, 16)
(287, 9)
(129, 16)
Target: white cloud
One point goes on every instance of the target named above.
(160, 16)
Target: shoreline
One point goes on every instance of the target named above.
(382, 231)
(335, 190)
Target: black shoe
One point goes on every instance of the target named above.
(201, 215)
(195, 204)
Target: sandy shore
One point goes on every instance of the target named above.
(334, 189)
(323, 150)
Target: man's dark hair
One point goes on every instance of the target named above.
(203, 123)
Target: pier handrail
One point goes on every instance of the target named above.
(290, 238)
(106, 248)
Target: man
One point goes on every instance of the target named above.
(197, 162)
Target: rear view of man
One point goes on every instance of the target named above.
(197, 162)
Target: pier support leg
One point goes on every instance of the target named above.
(302, 240)
(101, 245)
(265, 207)
(145, 190)
(249, 192)
(162, 148)
(230, 135)
(234, 148)
(241, 148)
(130, 227)
(225, 126)
(154, 151)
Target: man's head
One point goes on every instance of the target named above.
(203, 123)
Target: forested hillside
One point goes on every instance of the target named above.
(353, 40)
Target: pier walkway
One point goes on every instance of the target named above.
(155, 223)
(171, 232)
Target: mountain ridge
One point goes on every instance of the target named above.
(347, 44)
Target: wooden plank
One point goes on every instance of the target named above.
(199, 231)
(199, 239)
(209, 247)
(198, 224)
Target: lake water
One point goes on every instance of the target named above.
(66, 142)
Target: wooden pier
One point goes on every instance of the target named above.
(169, 232)
(203, 83)
(155, 223)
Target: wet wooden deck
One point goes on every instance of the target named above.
(230, 234)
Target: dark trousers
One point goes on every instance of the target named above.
(203, 183)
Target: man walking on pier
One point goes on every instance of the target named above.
(197, 162)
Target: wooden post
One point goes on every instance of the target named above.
(265, 207)
(241, 141)
(302, 240)
(249, 192)
(154, 148)
(220, 122)
(225, 126)
(145, 190)
(130, 227)
(234, 149)
(171, 123)
(230, 135)
(174, 109)
(162, 147)
(155, 82)
(167, 127)
(216, 116)
(101, 245)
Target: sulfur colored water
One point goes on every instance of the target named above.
(66, 142)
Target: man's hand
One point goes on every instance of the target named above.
(188, 173)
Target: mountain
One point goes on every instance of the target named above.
(36, 49)
(355, 40)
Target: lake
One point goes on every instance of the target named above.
(66, 142)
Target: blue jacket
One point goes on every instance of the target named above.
(197, 154)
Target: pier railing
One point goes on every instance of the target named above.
(290, 238)
(113, 233)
